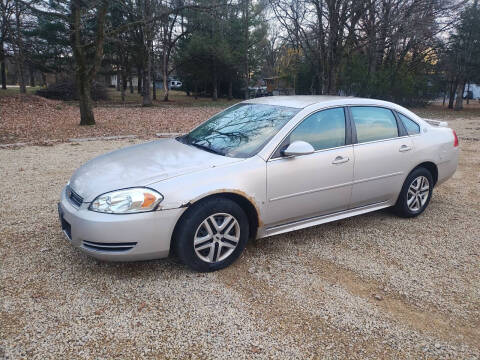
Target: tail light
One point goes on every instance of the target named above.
(455, 139)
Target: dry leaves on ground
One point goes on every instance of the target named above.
(34, 119)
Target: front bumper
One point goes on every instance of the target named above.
(125, 237)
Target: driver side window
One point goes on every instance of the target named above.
(323, 130)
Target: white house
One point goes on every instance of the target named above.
(474, 89)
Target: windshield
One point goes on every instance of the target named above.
(240, 131)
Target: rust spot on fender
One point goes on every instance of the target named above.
(233, 191)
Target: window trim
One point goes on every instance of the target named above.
(275, 155)
(409, 118)
(401, 132)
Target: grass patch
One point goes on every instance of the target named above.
(176, 98)
(14, 90)
(437, 111)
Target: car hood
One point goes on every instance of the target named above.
(141, 165)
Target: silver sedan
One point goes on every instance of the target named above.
(259, 168)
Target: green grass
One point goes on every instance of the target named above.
(437, 111)
(175, 98)
(14, 90)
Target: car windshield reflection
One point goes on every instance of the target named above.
(240, 131)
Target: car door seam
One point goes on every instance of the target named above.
(377, 177)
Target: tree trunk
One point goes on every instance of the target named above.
(32, 76)
(154, 78)
(147, 80)
(165, 75)
(119, 82)
(196, 89)
(215, 86)
(139, 80)
(459, 99)
(147, 99)
(444, 97)
(20, 55)
(468, 95)
(154, 88)
(84, 88)
(130, 80)
(230, 90)
(86, 66)
(246, 37)
(148, 44)
(451, 97)
(3, 70)
(123, 87)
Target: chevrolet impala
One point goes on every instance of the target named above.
(259, 168)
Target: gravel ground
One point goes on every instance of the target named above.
(373, 286)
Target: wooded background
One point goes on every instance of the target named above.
(407, 51)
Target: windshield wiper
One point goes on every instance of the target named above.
(206, 148)
(186, 139)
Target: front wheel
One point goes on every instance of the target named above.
(416, 193)
(211, 235)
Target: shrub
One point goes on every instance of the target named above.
(66, 90)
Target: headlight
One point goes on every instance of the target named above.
(127, 201)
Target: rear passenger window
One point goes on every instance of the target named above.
(411, 126)
(374, 123)
(323, 130)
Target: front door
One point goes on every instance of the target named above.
(315, 184)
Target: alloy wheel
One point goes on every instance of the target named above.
(216, 237)
(418, 193)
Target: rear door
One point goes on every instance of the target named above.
(382, 155)
(314, 184)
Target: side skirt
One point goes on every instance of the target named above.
(317, 220)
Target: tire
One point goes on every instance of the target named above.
(414, 197)
(200, 232)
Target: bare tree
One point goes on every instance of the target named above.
(148, 29)
(19, 48)
(6, 13)
(169, 17)
(87, 62)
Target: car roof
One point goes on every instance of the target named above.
(296, 101)
(303, 101)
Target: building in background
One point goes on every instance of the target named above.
(472, 91)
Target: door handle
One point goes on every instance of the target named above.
(404, 148)
(340, 160)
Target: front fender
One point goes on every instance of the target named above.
(246, 178)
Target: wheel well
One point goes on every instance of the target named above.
(430, 166)
(246, 205)
(250, 211)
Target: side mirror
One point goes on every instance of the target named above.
(298, 148)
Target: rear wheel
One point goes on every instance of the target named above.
(416, 193)
(212, 235)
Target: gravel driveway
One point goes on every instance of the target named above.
(374, 286)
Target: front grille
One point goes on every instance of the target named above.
(110, 247)
(74, 198)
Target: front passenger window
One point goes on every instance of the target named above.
(323, 130)
(374, 123)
